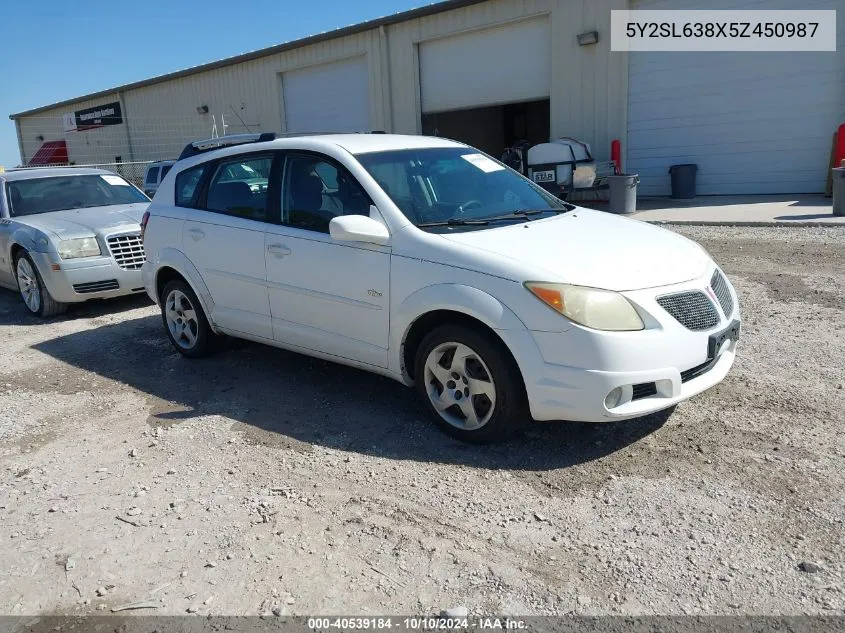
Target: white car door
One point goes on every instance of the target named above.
(325, 295)
(223, 236)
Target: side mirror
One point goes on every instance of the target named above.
(358, 228)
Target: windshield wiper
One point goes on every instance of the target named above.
(454, 222)
(514, 215)
(524, 213)
(520, 214)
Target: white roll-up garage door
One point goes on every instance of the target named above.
(333, 97)
(753, 122)
(506, 64)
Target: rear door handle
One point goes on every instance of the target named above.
(279, 250)
(197, 234)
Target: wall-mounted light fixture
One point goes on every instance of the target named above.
(590, 37)
(39, 138)
(203, 109)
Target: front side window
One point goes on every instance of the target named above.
(58, 193)
(164, 171)
(458, 187)
(239, 187)
(316, 190)
(152, 176)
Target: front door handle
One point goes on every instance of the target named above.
(279, 250)
(197, 234)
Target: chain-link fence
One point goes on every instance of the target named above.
(45, 139)
(133, 172)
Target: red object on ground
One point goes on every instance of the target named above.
(616, 154)
(50, 153)
(840, 147)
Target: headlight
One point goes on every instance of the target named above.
(82, 247)
(591, 307)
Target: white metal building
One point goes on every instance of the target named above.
(490, 72)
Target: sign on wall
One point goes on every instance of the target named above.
(69, 121)
(90, 118)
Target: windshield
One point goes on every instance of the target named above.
(57, 193)
(456, 186)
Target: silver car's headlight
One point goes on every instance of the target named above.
(591, 307)
(80, 247)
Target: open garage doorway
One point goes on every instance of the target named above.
(492, 128)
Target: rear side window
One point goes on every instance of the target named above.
(152, 176)
(187, 185)
(239, 187)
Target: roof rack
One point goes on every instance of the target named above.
(198, 147)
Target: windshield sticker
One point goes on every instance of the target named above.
(115, 180)
(482, 162)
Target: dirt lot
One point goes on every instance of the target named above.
(259, 480)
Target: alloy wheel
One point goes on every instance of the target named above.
(181, 319)
(29, 286)
(460, 386)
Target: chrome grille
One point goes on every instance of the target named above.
(691, 309)
(127, 250)
(723, 293)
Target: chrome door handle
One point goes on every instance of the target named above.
(197, 234)
(278, 250)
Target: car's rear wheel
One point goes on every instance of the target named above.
(184, 320)
(470, 384)
(34, 293)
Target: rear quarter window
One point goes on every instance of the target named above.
(187, 186)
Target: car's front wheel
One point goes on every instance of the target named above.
(184, 320)
(34, 293)
(471, 384)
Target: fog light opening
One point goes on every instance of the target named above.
(613, 398)
(618, 396)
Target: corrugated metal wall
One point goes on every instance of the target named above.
(103, 144)
(588, 91)
(589, 84)
(247, 94)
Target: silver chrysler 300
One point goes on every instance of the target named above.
(68, 235)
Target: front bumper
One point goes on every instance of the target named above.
(568, 375)
(86, 278)
(567, 393)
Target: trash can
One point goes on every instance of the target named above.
(683, 180)
(623, 193)
(838, 191)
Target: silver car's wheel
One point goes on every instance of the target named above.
(181, 317)
(29, 285)
(460, 386)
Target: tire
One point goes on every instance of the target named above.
(34, 293)
(492, 404)
(184, 320)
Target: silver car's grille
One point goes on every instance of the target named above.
(691, 309)
(127, 250)
(723, 293)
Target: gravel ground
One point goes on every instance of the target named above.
(259, 481)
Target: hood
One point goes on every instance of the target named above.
(85, 222)
(596, 249)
